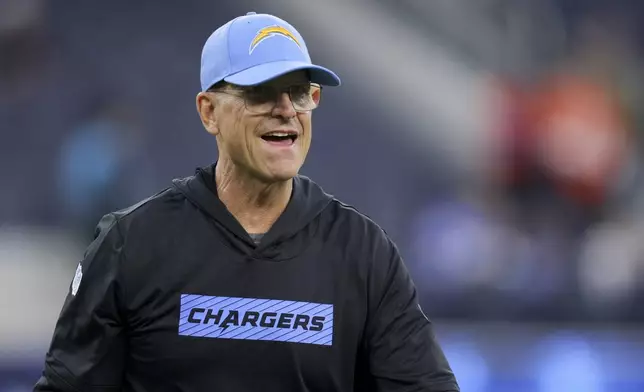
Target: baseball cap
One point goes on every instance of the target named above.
(255, 48)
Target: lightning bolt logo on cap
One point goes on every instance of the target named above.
(271, 31)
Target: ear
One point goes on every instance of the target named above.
(206, 104)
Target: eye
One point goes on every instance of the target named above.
(259, 94)
(301, 94)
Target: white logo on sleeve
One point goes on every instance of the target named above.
(77, 279)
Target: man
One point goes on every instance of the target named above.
(246, 276)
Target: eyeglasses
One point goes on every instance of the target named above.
(262, 99)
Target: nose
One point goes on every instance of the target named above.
(284, 106)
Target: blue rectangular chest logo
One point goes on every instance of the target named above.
(256, 319)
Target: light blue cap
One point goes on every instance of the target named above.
(255, 48)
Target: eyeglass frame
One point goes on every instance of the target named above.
(231, 89)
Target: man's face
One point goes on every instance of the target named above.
(251, 131)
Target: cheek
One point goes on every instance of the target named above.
(305, 122)
(227, 118)
(236, 130)
(246, 128)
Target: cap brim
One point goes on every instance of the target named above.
(265, 72)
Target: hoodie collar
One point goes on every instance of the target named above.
(307, 202)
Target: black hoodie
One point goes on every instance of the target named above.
(174, 295)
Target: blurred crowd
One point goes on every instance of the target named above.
(554, 232)
(97, 112)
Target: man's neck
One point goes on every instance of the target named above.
(256, 205)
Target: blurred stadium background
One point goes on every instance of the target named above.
(499, 142)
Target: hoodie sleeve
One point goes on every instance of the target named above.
(87, 349)
(404, 355)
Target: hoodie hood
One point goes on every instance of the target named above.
(287, 237)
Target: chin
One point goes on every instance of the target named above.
(283, 173)
(283, 176)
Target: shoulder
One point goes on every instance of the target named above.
(150, 212)
(140, 231)
(352, 214)
(357, 228)
(144, 222)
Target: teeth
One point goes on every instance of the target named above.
(278, 134)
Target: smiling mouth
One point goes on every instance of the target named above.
(283, 140)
